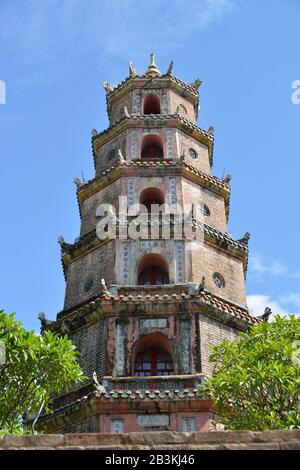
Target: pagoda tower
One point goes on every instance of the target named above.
(145, 303)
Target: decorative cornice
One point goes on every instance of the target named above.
(136, 82)
(121, 169)
(149, 394)
(103, 305)
(224, 237)
(142, 120)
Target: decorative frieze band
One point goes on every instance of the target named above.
(125, 253)
(180, 262)
(137, 104)
(172, 193)
(119, 369)
(185, 346)
(133, 143)
(169, 143)
(130, 192)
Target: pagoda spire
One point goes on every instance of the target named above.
(152, 69)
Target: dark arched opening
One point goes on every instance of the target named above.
(151, 104)
(152, 147)
(151, 198)
(153, 271)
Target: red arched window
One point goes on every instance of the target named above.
(153, 276)
(152, 147)
(151, 104)
(152, 270)
(152, 152)
(153, 361)
(150, 197)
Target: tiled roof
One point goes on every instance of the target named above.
(228, 307)
(223, 236)
(158, 118)
(166, 162)
(210, 178)
(184, 85)
(173, 79)
(128, 395)
(203, 298)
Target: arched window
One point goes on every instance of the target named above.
(152, 147)
(152, 197)
(153, 271)
(153, 276)
(153, 355)
(151, 104)
(153, 360)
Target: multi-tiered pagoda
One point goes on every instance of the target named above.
(144, 311)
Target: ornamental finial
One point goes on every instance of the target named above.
(132, 70)
(152, 69)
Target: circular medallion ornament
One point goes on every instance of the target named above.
(219, 280)
(205, 210)
(193, 153)
(88, 284)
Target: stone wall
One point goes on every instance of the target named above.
(242, 440)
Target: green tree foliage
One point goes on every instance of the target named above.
(256, 379)
(33, 367)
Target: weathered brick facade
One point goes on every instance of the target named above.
(147, 331)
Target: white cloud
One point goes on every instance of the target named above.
(259, 266)
(44, 31)
(257, 304)
(274, 267)
(292, 298)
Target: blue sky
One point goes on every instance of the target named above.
(53, 57)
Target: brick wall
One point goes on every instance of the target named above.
(104, 157)
(91, 344)
(195, 194)
(109, 195)
(212, 333)
(177, 100)
(94, 265)
(202, 161)
(208, 260)
(117, 108)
